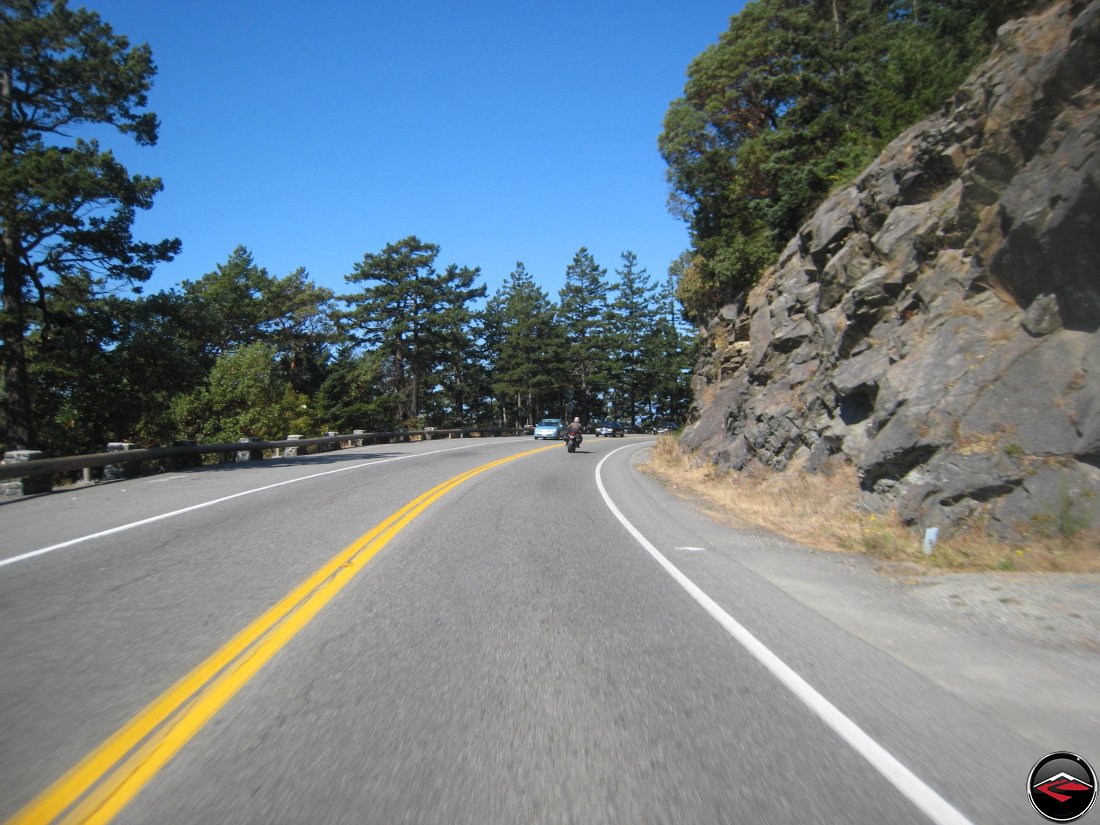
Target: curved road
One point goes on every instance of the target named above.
(482, 631)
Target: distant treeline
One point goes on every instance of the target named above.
(239, 352)
(795, 99)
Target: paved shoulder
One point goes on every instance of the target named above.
(953, 694)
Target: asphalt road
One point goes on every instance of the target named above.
(509, 649)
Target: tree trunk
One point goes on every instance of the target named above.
(13, 322)
(17, 419)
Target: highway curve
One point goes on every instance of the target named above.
(475, 631)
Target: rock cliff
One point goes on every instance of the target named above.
(936, 323)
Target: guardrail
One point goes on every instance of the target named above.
(134, 458)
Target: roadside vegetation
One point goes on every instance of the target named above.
(240, 352)
(790, 102)
(823, 510)
(793, 101)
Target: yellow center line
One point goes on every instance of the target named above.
(102, 783)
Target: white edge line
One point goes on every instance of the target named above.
(938, 809)
(122, 528)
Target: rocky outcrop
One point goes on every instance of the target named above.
(937, 322)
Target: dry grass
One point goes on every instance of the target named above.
(823, 510)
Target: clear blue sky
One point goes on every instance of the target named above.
(313, 133)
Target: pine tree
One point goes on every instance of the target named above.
(582, 312)
(66, 206)
(458, 371)
(239, 304)
(393, 314)
(525, 347)
(415, 317)
(630, 318)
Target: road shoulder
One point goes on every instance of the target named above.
(1021, 647)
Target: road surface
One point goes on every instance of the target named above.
(488, 631)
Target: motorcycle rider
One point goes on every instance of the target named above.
(575, 429)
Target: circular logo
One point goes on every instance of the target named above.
(1062, 787)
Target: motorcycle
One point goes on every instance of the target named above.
(572, 441)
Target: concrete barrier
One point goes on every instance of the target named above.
(251, 454)
(29, 485)
(125, 469)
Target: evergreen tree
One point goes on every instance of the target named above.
(525, 348)
(81, 393)
(228, 304)
(66, 206)
(630, 318)
(413, 316)
(459, 374)
(582, 312)
(300, 321)
(392, 315)
(356, 394)
(671, 348)
(239, 303)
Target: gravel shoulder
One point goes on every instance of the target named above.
(1052, 610)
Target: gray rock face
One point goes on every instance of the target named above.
(937, 322)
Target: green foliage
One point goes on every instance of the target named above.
(239, 303)
(354, 397)
(409, 313)
(218, 359)
(582, 312)
(248, 393)
(669, 355)
(627, 321)
(524, 348)
(457, 371)
(651, 357)
(106, 369)
(795, 99)
(66, 205)
(228, 304)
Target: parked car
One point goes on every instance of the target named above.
(610, 429)
(550, 429)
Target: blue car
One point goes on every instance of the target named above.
(549, 428)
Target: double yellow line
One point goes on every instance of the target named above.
(105, 781)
